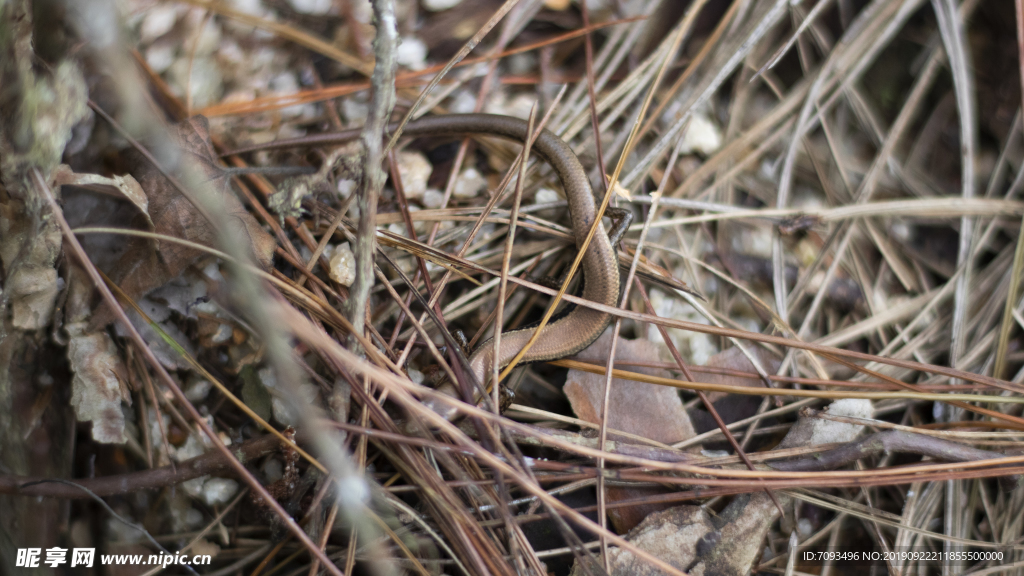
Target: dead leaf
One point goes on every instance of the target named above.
(729, 543)
(648, 410)
(671, 535)
(95, 389)
(816, 431)
(690, 539)
(143, 269)
(32, 291)
(734, 359)
(121, 186)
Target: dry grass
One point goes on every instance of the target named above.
(859, 222)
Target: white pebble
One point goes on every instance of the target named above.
(702, 136)
(343, 265)
(546, 196)
(218, 491)
(273, 470)
(210, 39)
(312, 6)
(463, 102)
(412, 53)
(286, 84)
(160, 56)
(415, 170)
(224, 438)
(432, 199)
(469, 184)
(253, 7)
(158, 21)
(346, 188)
(231, 54)
(439, 5)
(198, 390)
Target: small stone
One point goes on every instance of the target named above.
(198, 390)
(346, 188)
(464, 102)
(343, 265)
(219, 491)
(209, 38)
(546, 196)
(160, 56)
(158, 21)
(439, 5)
(469, 184)
(702, 136)
(412, 53)
(312, 6)
(273, 470)
(415, 171)
(432, 199)
(286, 84)
(252, 7)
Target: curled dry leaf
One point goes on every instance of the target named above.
(95, 388)
(28, 250)
(125, 186)
(143, 268)
(32, 291)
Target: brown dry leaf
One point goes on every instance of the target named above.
(143, 269)
(734, 359)
(648, 410)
